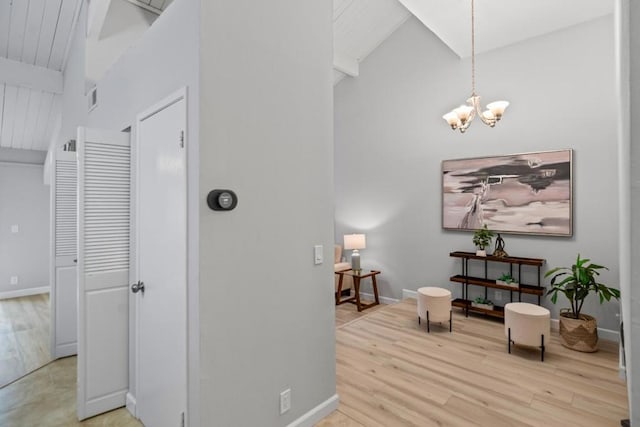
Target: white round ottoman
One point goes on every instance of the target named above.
(527, 324)
(434, 305)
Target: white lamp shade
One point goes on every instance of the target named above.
(463, 112)
(355, 241)
(452, 119)
(497, 108)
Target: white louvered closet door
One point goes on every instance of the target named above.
(103, 270)
(64, 283)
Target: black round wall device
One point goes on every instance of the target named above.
(222, 200)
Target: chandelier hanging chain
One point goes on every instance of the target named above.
(473, 49)
(461, 117)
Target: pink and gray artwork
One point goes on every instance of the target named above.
(519, 193)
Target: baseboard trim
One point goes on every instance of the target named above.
(383, 300)
(131, 404)
(407, 293)
(65, 350)
(318, 413)
(25, 292)
(606, 334)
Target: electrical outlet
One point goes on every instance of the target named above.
(14, 280)
(285, 401)
(15, 228)
(498, 296)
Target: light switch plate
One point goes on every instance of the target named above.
(15, 228)
(318, 258)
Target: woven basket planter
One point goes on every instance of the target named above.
(579, 334)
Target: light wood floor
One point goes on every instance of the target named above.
(47, 398)
(347, 313)
(390, 372)
(24, 336)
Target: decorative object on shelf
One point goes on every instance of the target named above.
(507, 280)
(579, 331)
(355, 242)
(499, 249)
(528, 193)
(482, 238)
(461, 117)
(482, 303)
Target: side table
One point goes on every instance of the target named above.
(357, 276)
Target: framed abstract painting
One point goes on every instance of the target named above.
(530, 193)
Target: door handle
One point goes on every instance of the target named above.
(137, 287)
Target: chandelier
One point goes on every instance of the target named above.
(460, 118)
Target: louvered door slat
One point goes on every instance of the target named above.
(106, 203)
(66, 218)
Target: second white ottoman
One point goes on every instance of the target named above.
(527, 324)
(434, 305)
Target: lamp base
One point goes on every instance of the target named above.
(355, 260)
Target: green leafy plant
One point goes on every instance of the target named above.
(576, 282)
(506, 277)
(482, 237)
(481, 300)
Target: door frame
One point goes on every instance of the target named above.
(176, 96)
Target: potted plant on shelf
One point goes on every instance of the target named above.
(579, 331)
(482, 238)
(507, 280)
(481, 302)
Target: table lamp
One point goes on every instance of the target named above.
(355, 242)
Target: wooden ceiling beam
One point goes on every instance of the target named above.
(14, 73)
(346, 64)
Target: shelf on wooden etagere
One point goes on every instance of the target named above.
(466, 280)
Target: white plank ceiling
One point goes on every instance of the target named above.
(34, 43)
(35, 38)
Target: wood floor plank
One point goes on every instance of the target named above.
(391, 372)
(24, 336)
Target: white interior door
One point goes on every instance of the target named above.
(64, 280)
(161, 264)
(103, 270)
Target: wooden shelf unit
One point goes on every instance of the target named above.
(487, 283)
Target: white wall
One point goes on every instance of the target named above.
(124, 24)
(267, 313)
(632, 327)
(24, 201)
(390, 141)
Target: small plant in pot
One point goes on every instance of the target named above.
(507, 280)
(481, 302)
(482, 238)
(579, 331)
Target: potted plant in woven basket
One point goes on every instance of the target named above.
(579, 331)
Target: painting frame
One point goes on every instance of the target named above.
(523, 193)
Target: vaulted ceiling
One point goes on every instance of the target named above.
(34, 44)
(35, 39)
